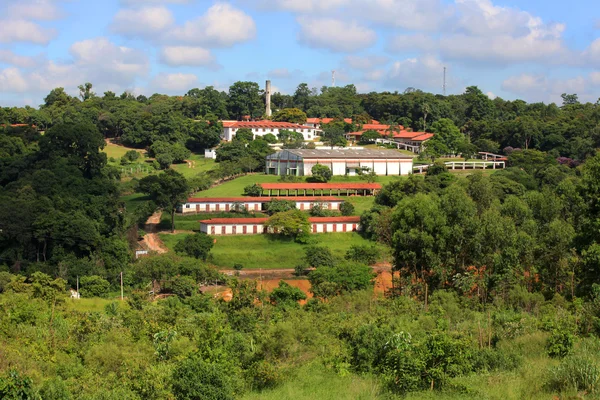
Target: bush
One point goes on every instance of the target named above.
(347, 208)
(343, 278)
(286, 294)
(319, 256)
(198, 246)
(576, 373)
(488, 360)
(560, 343)
(321, 173)
(253, 190)
(14, 386)
(5, 279)
(182, 286)
(363, 254)
(93, 286)
(300, 270)
(195, 379)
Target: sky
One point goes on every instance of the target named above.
(529, 49)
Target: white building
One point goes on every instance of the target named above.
(262, 128)
(255, 226)
(340, 162)
(256, 204)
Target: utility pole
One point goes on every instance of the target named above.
(333, 78)
(121, 285)
(77, 286)
(444, 81)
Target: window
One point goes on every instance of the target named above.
(212, 230)
(188, 206)
(223, 230)
(234, 229)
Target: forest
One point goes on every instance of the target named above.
(495, 275)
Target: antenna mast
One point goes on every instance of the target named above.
(444, 81)
(333, 78)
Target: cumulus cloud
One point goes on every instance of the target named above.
(18, 30)
(12, 80)
(417, 41)
(595, 78)
(145, 21)
(538, 87)
(146, 2)
(177, 82)
(365, 62)
(423, 73)
(592, 54)
(222, 26)
(9, 57)
(188, 56)
(43, 10)
(301, 6)
(335, 35)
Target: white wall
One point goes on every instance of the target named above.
(229, 133)
(393, 167)
(339, 167)
(406, 168)
(380, 168)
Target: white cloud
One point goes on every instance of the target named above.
(491, 95)
(43, 10)
(281, 73)
(187, 56)
(12, 80)
(592, 53)
(146, 21)
(418, 41)
(541, 88)
(146, 2)
(334, 34)
(9, 57)
(301, 6)
(18, 30)
(595, 77)
(177, 82)
(374, 75)
(424, 73)
(221, 26)
(365, 62)
(418, 15)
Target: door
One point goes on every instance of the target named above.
(207, 208)
(223, 232)
(256, 207)
(234, 229)
(344, 227)
(325, 228)
(227, 207)
(302, 206)
(217, 207)
(197, 207)
(244, 230)
(212, 230)
(335, 227)
(255, 229)
(353, 227)
(314, 228)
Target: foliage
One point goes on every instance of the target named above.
(253, 190)
(319, 256)
(328, 281)
(195, 379)
(291, 223)
(321, 173)
(93, 286)
(196, 246)
(292, 115)
(286, 295)
(167, 190)
(560, 343)
(577, 373)
(364, 254)
(279, 205)
(13, 386)
(369, 137)
(347, 208)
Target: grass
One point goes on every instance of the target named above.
(201, 164)
(94, 304)
(116, 151)
(133, 201)
(314, 381)
(270, 251)
(190, 222)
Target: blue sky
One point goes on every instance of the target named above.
(530, 49)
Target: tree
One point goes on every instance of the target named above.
(569, 99)
(347, 208)
(270, 138)
(319, 256)
(85, 91)
(196, 379)
(286, 295)
(168, 153)
(291, 223)
(292, 115)
(342, 278)
(321, 173)
(369, 137)
(279, 205)
(448, 134)
(333, 135)
(94, 286)
(364, 254)
(167, 190)
(197, 245)
(244, 135)
(253, 190)
(249, 163)
(245, 99)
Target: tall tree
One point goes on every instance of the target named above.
(167, 190)
(245, 98)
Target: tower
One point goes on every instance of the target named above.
(268, 111)
(333, 78)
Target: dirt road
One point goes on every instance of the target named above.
(151, 240)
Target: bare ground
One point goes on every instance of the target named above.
(151, 240)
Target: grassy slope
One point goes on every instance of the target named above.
(268, 251)
(190, 222)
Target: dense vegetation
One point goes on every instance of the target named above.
(496, 276)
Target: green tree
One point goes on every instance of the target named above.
(253, 190)
(292, 115)
(291, 223)
(347, 208)
(198, 246)
(244, 135)
(245, 99)
(321, 173)
(319, 256)
(363, 254)
(342, 278)
(270, 138)
(286, 295)
(280, 205)
(167, 190)
(448, 134)
(196, 379)
(94, 286)
(369, 137)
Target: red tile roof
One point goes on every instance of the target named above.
(325, 120)
(261, 221)
(259, 199)
(262, 124)
(319, 186)
(423, 137)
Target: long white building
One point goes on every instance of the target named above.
(254, 204)
(262, 128)
(256, 226)
(341, 162)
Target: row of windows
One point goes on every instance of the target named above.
(273, 129)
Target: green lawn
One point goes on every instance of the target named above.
(116, 151)
(270, 251)
(133, 201)
(201, 164)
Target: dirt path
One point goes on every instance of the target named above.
(287, 273)
(151, 240)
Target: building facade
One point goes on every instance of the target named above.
(262, 128)
(253, 204)
(256, 226)
(340, 162)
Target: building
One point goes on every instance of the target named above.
(341, 162)
(401, 138)
(262, 128)
(321, 189)
(317, 123)
(257, 204)
(256, 226)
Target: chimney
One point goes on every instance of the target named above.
(268, 112)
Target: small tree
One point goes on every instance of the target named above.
(319, 256)
(131, 155)
(289, 223)
(196, 379)
(94, 286)
(244, 135)
(369, 137)
(293, 115)
(198, 246)
(321, 173)
(270, 138)
(167, 190)
(286, 294)
(254, 190)
(363, 254)
(347, 208)
(342, 278)
(366, 174)
(277, 206)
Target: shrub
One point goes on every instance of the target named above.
(363, 254)
(577, 373)
(238, 267)
(321, 173)
(198, 246)
(15, 386)
(253, 190)
(182, 286)
(263, 375)
(560, 343)
(5, 279)
(195, 379)
(300, 270)
(94, 286)
(495, 360)
(286, 294)
(319, 256)
(343, 278)
(347, 208)
(131, 155)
